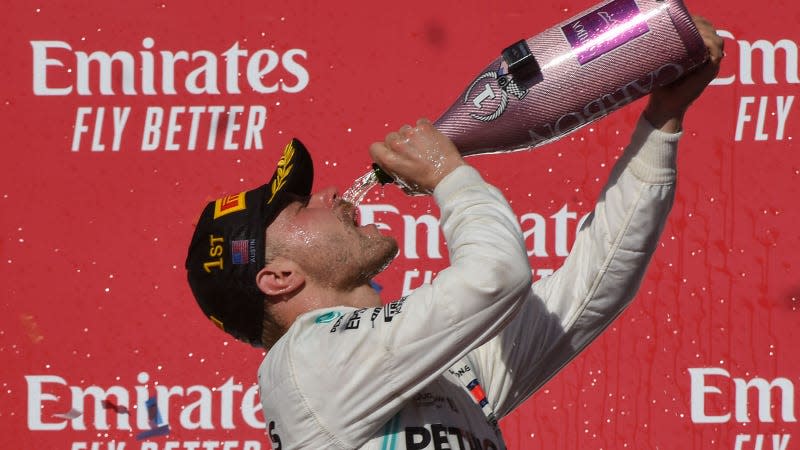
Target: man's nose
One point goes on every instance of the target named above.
(327, 197)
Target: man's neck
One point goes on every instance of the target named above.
(313, 297)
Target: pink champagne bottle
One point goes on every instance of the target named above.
(572, 74)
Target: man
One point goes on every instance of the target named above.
(290, 271)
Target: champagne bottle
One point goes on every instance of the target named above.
(570, 75)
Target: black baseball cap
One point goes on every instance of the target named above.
(227, 249)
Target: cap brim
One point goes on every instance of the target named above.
(294, 174)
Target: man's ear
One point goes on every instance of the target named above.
(280, 276)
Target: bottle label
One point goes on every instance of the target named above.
(604, 29)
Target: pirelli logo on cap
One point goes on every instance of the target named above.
(229, 204)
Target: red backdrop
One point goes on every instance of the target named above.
(102, 186)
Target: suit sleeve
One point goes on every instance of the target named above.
(356, 372)
(563, 313)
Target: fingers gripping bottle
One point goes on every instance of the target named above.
(573, 74)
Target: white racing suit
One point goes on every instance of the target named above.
(394, 377)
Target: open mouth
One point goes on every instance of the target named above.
(349, 213)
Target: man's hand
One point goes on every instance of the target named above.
(419, 156)
(668, 104)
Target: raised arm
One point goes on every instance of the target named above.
(600, 277)
(388, 354)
